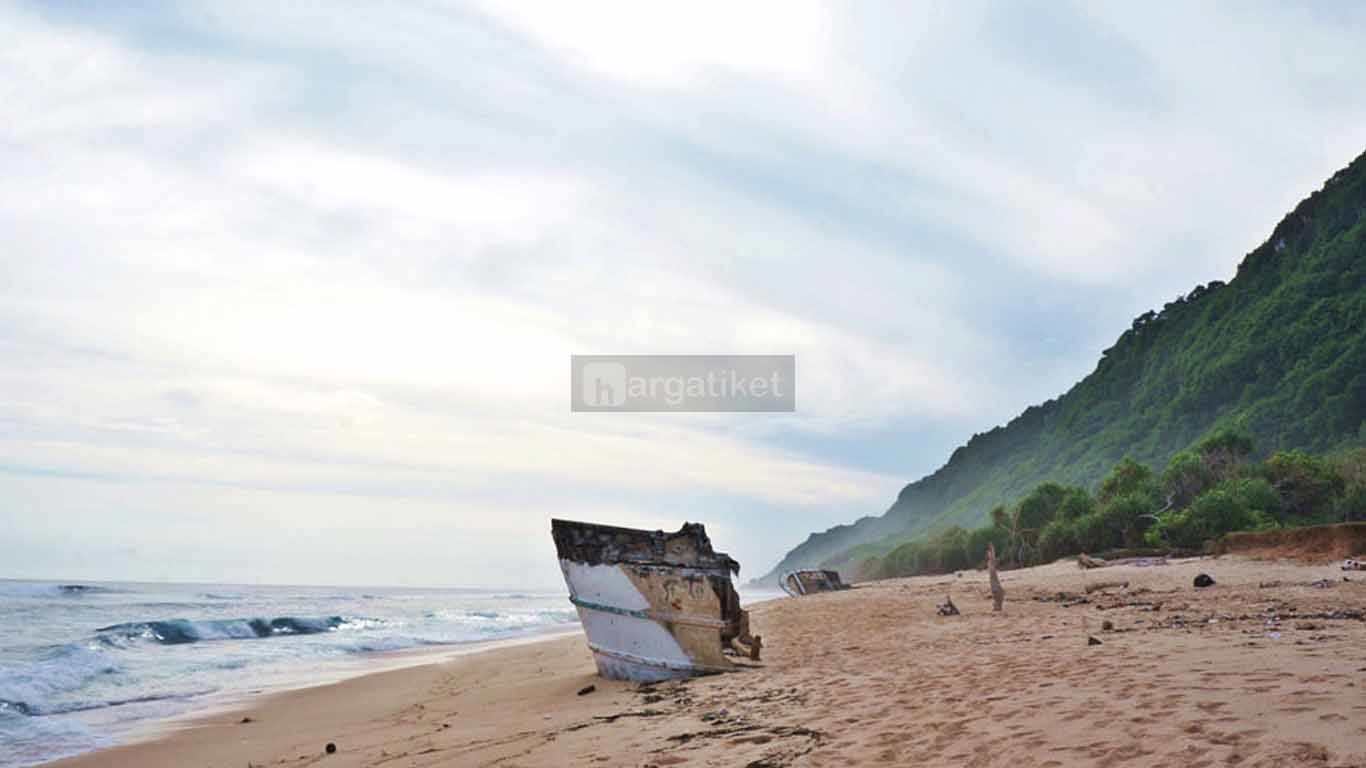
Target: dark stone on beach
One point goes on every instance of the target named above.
(330, 749)
(587, 689)
(1107, 625)
(1204, 580)
(1092, 641)
(245, 720)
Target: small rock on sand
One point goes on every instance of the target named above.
(330, 749)
(1204, 580)
(1093, 641)
(587, 689)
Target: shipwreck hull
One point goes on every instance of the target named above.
(654, 605)
(811, 581)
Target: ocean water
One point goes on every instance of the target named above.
(84, 666)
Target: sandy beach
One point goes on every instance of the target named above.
(1266, 668)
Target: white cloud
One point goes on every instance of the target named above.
(678, 45)
(334, 263)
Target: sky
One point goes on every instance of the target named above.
(288, 290)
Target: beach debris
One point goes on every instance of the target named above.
(1204, 580)
(810, 581)
(1353, 564)
(756, 647)
(998, 593)
(330, 749)
(1107, 626)
(1101, 585)
(1143, 605)
(753, 643)
(948, 608)
(1141, 562)
(600, 719)
(1086, 561)
(1067, 599)
(1093, 640)
(1323, 584)
(587, 689)
(654, 605)
(245, 720)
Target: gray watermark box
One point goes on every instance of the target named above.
(684, 383)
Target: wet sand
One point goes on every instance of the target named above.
(1263, 669)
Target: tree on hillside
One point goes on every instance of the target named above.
(1351, 467)
(1215, 459)
(1038, 508)
(1236, 504)
(1308, 485)
(1225, 450)
(1127, 477)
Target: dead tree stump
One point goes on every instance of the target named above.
(998, 593)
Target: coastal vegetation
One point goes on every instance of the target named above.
(1210, 489)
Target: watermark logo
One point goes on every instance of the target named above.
(603, 384)
(685, 383)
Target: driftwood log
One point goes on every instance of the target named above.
(1099, 585)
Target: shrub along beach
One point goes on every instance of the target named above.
(1205, 492)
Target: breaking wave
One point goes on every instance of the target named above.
(71, 648)
(181, 631)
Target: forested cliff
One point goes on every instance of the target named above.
(1279, 352)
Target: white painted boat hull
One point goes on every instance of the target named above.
(654, 605)
(625, 633)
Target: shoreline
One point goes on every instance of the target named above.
(335, 671)
(301, 721)
(216, 707)
(1263, 669)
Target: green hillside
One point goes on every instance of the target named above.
(1278, 352)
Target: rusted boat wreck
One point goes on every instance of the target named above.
(806, 582)
(654, 605)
